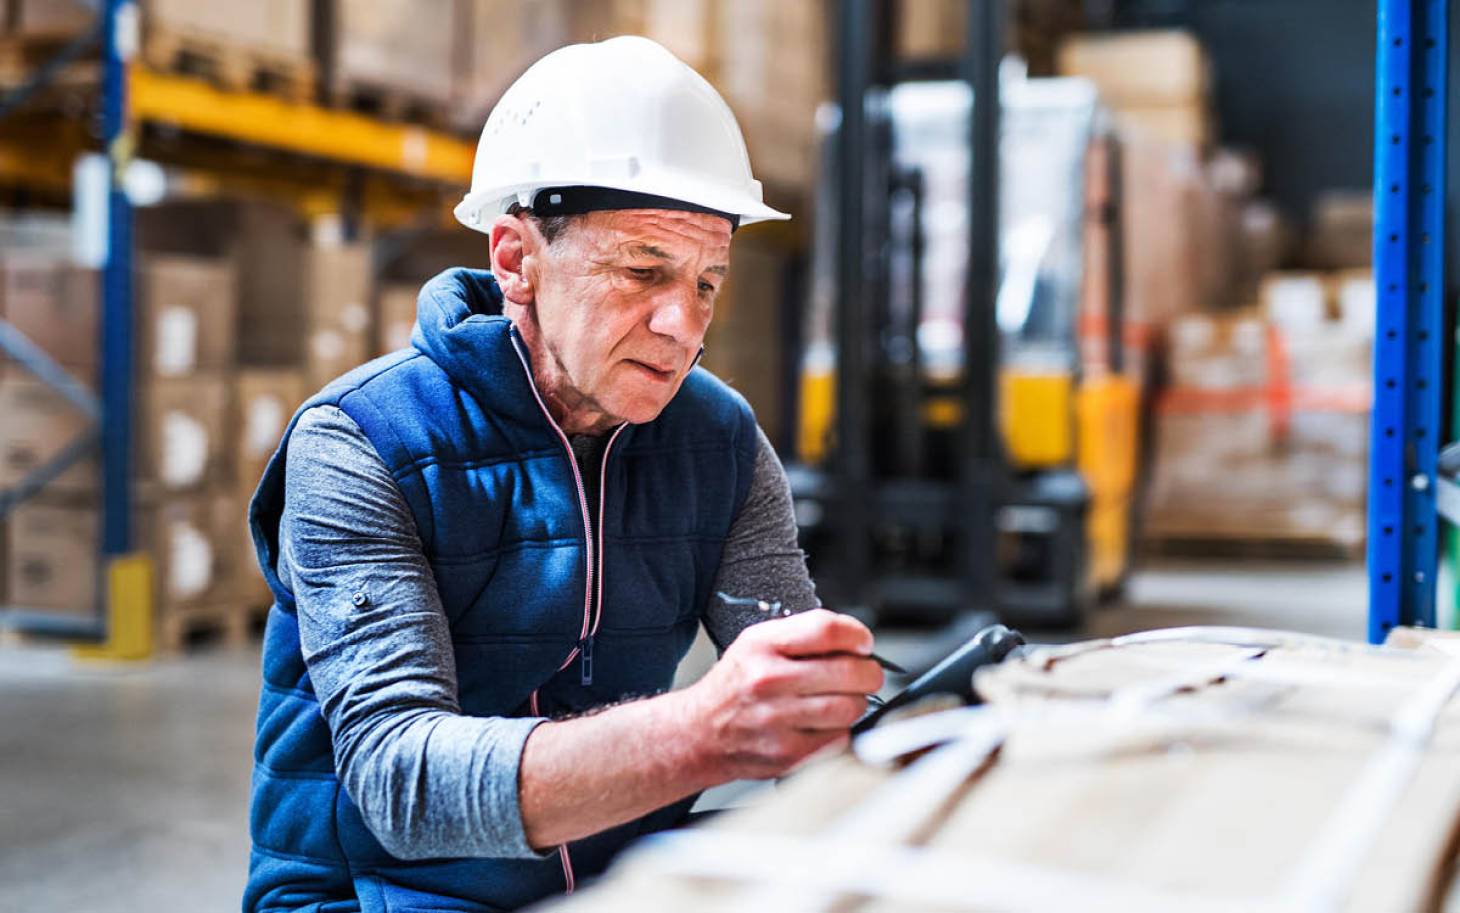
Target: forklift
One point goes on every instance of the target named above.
(962, 444)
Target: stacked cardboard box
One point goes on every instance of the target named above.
(303, 297)
(772, 68)
(184, 326)
(744, 344)
(397, 316)
(53, 305)
(768, 59)
(267, 399)
(396, 51)
(261, 44)
(1158, 83)
(1263, 434)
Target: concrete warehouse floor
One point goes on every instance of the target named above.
(125, 788)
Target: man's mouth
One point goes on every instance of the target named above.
(652, 370)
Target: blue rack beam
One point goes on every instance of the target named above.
(1409, 190)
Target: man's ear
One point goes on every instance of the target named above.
(515, 243)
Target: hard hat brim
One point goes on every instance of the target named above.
(478, 208)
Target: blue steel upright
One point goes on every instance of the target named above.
(116, 314)
(1409, 193)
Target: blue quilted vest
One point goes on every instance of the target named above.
(545, 619)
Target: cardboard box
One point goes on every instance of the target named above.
(36, 424)
(336, 295)
(1342, 233)
(931, 28)
(51, 563)
(403, 46)
(265, 245)
(52, 17)
(743, 346)
(56, 306)
(1140, 69)
(186, 316)
(502, 39)
(772, 69)
(267, 400)
(1181, 124)
(279, 27)
(298, 303)
(397, 309)
(184, 439)
(194, 542)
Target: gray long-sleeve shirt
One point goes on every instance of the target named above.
(430, 781)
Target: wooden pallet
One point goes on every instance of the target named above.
(22, 56)
(393, 103)
(1260, 545)
(229, 65)
(228, 625)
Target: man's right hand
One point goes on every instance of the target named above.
(784, 690)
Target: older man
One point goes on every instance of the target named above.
(489, 552)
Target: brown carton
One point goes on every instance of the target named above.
(397, 316)
(267, 399)
(1139, 69)
(337, 301)
(56, 306)
(265, 244)
(51, 563)
(194, 543)
(36, 424)
(187, 315)
(401, 46)
(183, 440)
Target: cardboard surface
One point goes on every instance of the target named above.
(397, 310)
(36, 424)
(56, 306)
(184, 441)
(51, 563)
(336, 297)
(1139, 69)
(187, 313)
(1186, 775)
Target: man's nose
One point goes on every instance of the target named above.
(679, 314)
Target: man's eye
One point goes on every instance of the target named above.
(707, 288)
(641, 273)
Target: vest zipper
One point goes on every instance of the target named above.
(590, 623)
(587, 677)
(588, 567)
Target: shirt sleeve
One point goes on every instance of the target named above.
(429, 781)
(762, 558)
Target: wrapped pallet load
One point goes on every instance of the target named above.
(1196, 769)
(1262, 436)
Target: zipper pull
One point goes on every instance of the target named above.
(587, 651)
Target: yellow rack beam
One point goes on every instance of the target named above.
(302, 128)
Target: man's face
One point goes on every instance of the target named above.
(622, 302)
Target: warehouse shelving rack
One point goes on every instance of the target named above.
(132, 95)
(1409, 272)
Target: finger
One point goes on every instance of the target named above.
(818, 631)
(840, 674)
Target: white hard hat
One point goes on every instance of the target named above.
(612, 122)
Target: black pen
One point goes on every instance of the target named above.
(776, 610)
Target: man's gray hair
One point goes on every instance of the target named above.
(552, 227)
